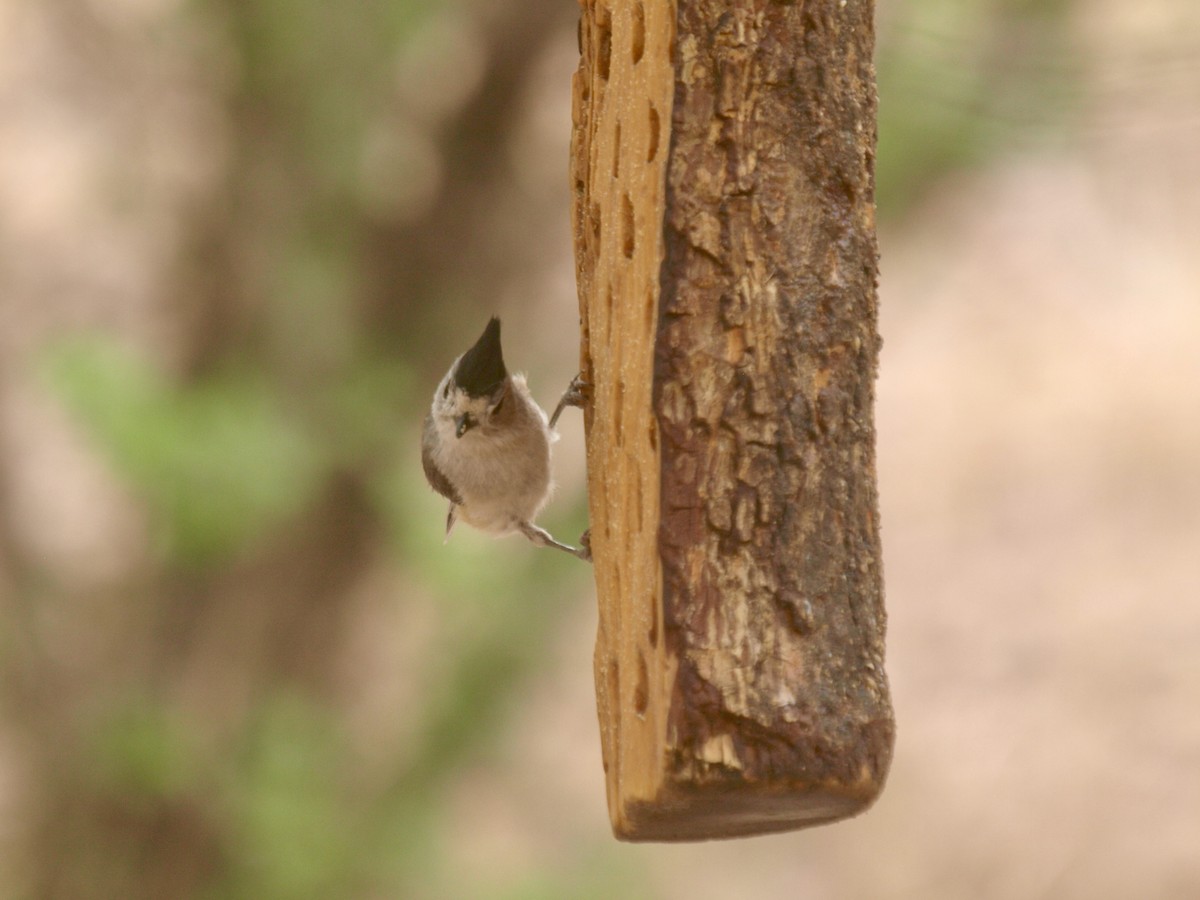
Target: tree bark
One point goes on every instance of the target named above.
(722, 164)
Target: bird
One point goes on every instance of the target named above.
(485, 445)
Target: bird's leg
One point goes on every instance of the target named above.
(576, 395)
(542, 538)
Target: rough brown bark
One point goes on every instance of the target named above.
(722, 163)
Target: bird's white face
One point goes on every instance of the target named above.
(459, 413)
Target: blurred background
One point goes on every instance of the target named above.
(240, 241)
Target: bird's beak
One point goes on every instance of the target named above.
(463, 424)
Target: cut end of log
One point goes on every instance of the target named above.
(692, 815)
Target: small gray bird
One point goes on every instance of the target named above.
(486, 445)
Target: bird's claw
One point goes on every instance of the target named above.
(577, 394)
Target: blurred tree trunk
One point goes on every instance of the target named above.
(725, 235)
(209, 646)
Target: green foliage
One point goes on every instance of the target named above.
(322, 69)
(218, 462)
(226, 460)
(288, 807)
(141, 751)
(361, 413)
(960, 81)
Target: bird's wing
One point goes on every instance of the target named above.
(436, 477)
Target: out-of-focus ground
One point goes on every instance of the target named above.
(302, 705)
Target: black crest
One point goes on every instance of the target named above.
(481, 369)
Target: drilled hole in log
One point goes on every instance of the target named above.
(617, 152)
(612, 679)
(627, 226)
(618, 413)
(609, 303)
(637, 504)
(653, 438)
(653, 635)
(603, 42)
(649, 311)
(594, 222)
(652, 151)
(639, 33)
(641, 690)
